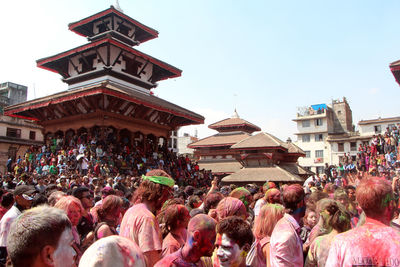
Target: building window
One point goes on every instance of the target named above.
(305, 138)
(32, 135)
(353, 146)
(341, 147)
(318, 122)
(377, 128)
(390, 126)
(308, 153)
(319, 153)
(12, 132)
(319, 137)
(305, 123)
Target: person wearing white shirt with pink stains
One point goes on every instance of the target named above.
(374, 243)
(286, 246)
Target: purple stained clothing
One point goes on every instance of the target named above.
(286, 246)
(373, 244)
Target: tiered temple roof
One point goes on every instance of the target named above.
(109, 82)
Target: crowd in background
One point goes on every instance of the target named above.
(97, 202)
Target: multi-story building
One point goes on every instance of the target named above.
(16, 134)
(183, 142)
(315, 125)
(12, 93)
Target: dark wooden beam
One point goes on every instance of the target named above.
(98, 54)
(73, 65)
(125, 109)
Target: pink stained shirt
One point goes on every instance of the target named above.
(373, 244)
(286, 246)
(141, 226)
(170, 244)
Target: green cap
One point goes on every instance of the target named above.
(160, 180)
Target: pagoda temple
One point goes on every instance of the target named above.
(214, 153)
(109, 84)
(238, 157)
(264, 157)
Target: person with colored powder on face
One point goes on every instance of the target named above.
(339, 221)
(139, 222)
(286, 246)
(41, 237)
(272, 196)
(234, 239)
(199, 243)
(374, 243)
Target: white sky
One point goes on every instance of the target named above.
(266, 58)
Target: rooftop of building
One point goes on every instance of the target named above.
(266, 140)
(379, 120)
(234, 122)
(220, 139)
(6, 85)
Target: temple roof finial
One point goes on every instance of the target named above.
(117, 7)
(235, 114)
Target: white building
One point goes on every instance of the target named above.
(315, 124)
(183, 142)
(377, 126)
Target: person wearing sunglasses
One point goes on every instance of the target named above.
(86, 223)
(23, 195)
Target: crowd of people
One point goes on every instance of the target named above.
(99, 154)
(151, 213)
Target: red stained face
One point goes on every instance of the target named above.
(74, 214)
(207, 243)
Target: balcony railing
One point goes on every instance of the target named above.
(309, 111)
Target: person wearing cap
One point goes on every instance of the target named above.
(23, 195)
(139, 222)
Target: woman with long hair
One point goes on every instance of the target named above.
(176, 219)
(339, 221)
(264, 224)
(72, 206)
(108, 216)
